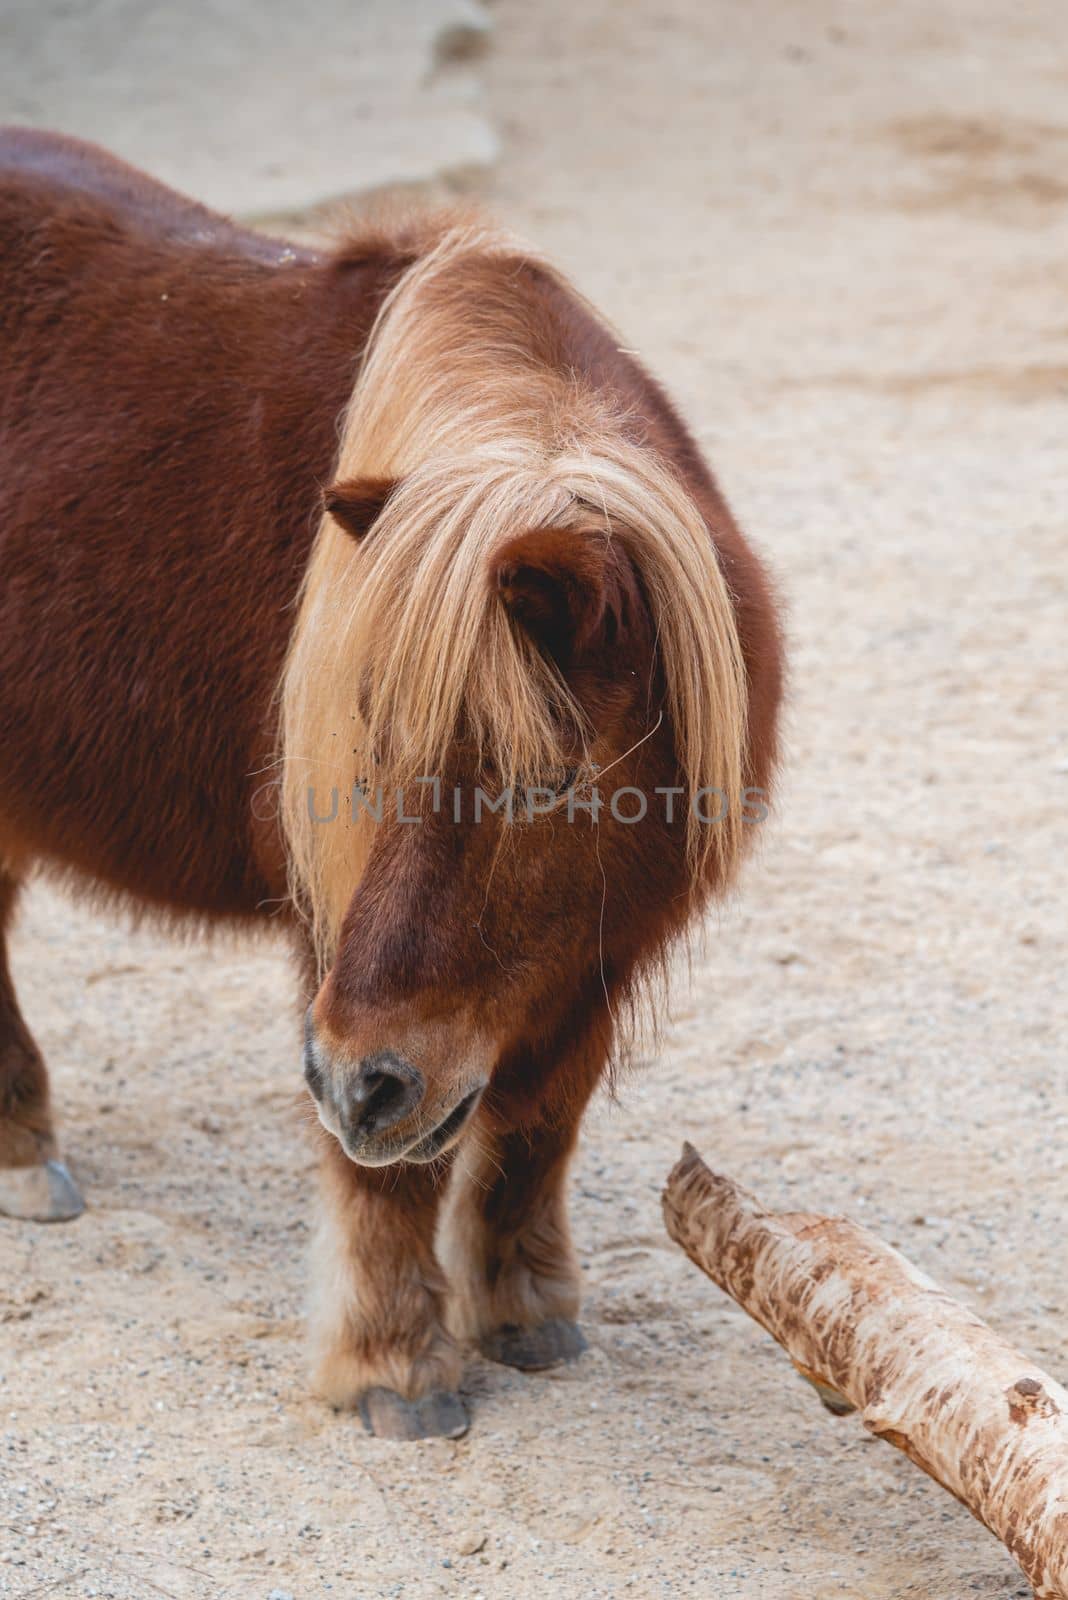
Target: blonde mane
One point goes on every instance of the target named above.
(459, 400)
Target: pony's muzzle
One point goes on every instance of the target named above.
(379, 1109)
(366, 1100)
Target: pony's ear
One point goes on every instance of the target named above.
(355, 503)
(557, 583)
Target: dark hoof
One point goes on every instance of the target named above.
(439, 1415)
(46, 1193)
(534, 1349)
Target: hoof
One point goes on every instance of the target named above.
(46, 1193)
(438, 1415)
(549, 1344)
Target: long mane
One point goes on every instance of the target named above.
(462, 399)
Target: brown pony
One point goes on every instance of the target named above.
(442, 687)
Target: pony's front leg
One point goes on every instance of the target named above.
(514, 1279)
(381, 1346)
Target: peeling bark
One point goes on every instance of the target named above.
(874, 1334)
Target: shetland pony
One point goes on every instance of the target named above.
(435, 687)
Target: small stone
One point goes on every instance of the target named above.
(470, 1543)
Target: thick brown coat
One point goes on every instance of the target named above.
(171, 389)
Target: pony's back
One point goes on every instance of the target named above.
(169, 399)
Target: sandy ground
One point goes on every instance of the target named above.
(256, 106)
(840, 232)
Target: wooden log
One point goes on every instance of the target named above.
(876, 1335)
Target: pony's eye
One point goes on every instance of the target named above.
(568, 781)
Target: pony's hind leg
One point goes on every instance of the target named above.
(34, 1183)
(514, 1280)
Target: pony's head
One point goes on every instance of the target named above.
(513, 725)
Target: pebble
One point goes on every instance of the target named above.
(470, 1543)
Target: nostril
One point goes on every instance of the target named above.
(376, 1092)
(385, 1090)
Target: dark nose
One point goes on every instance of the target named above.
(384, 1089)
